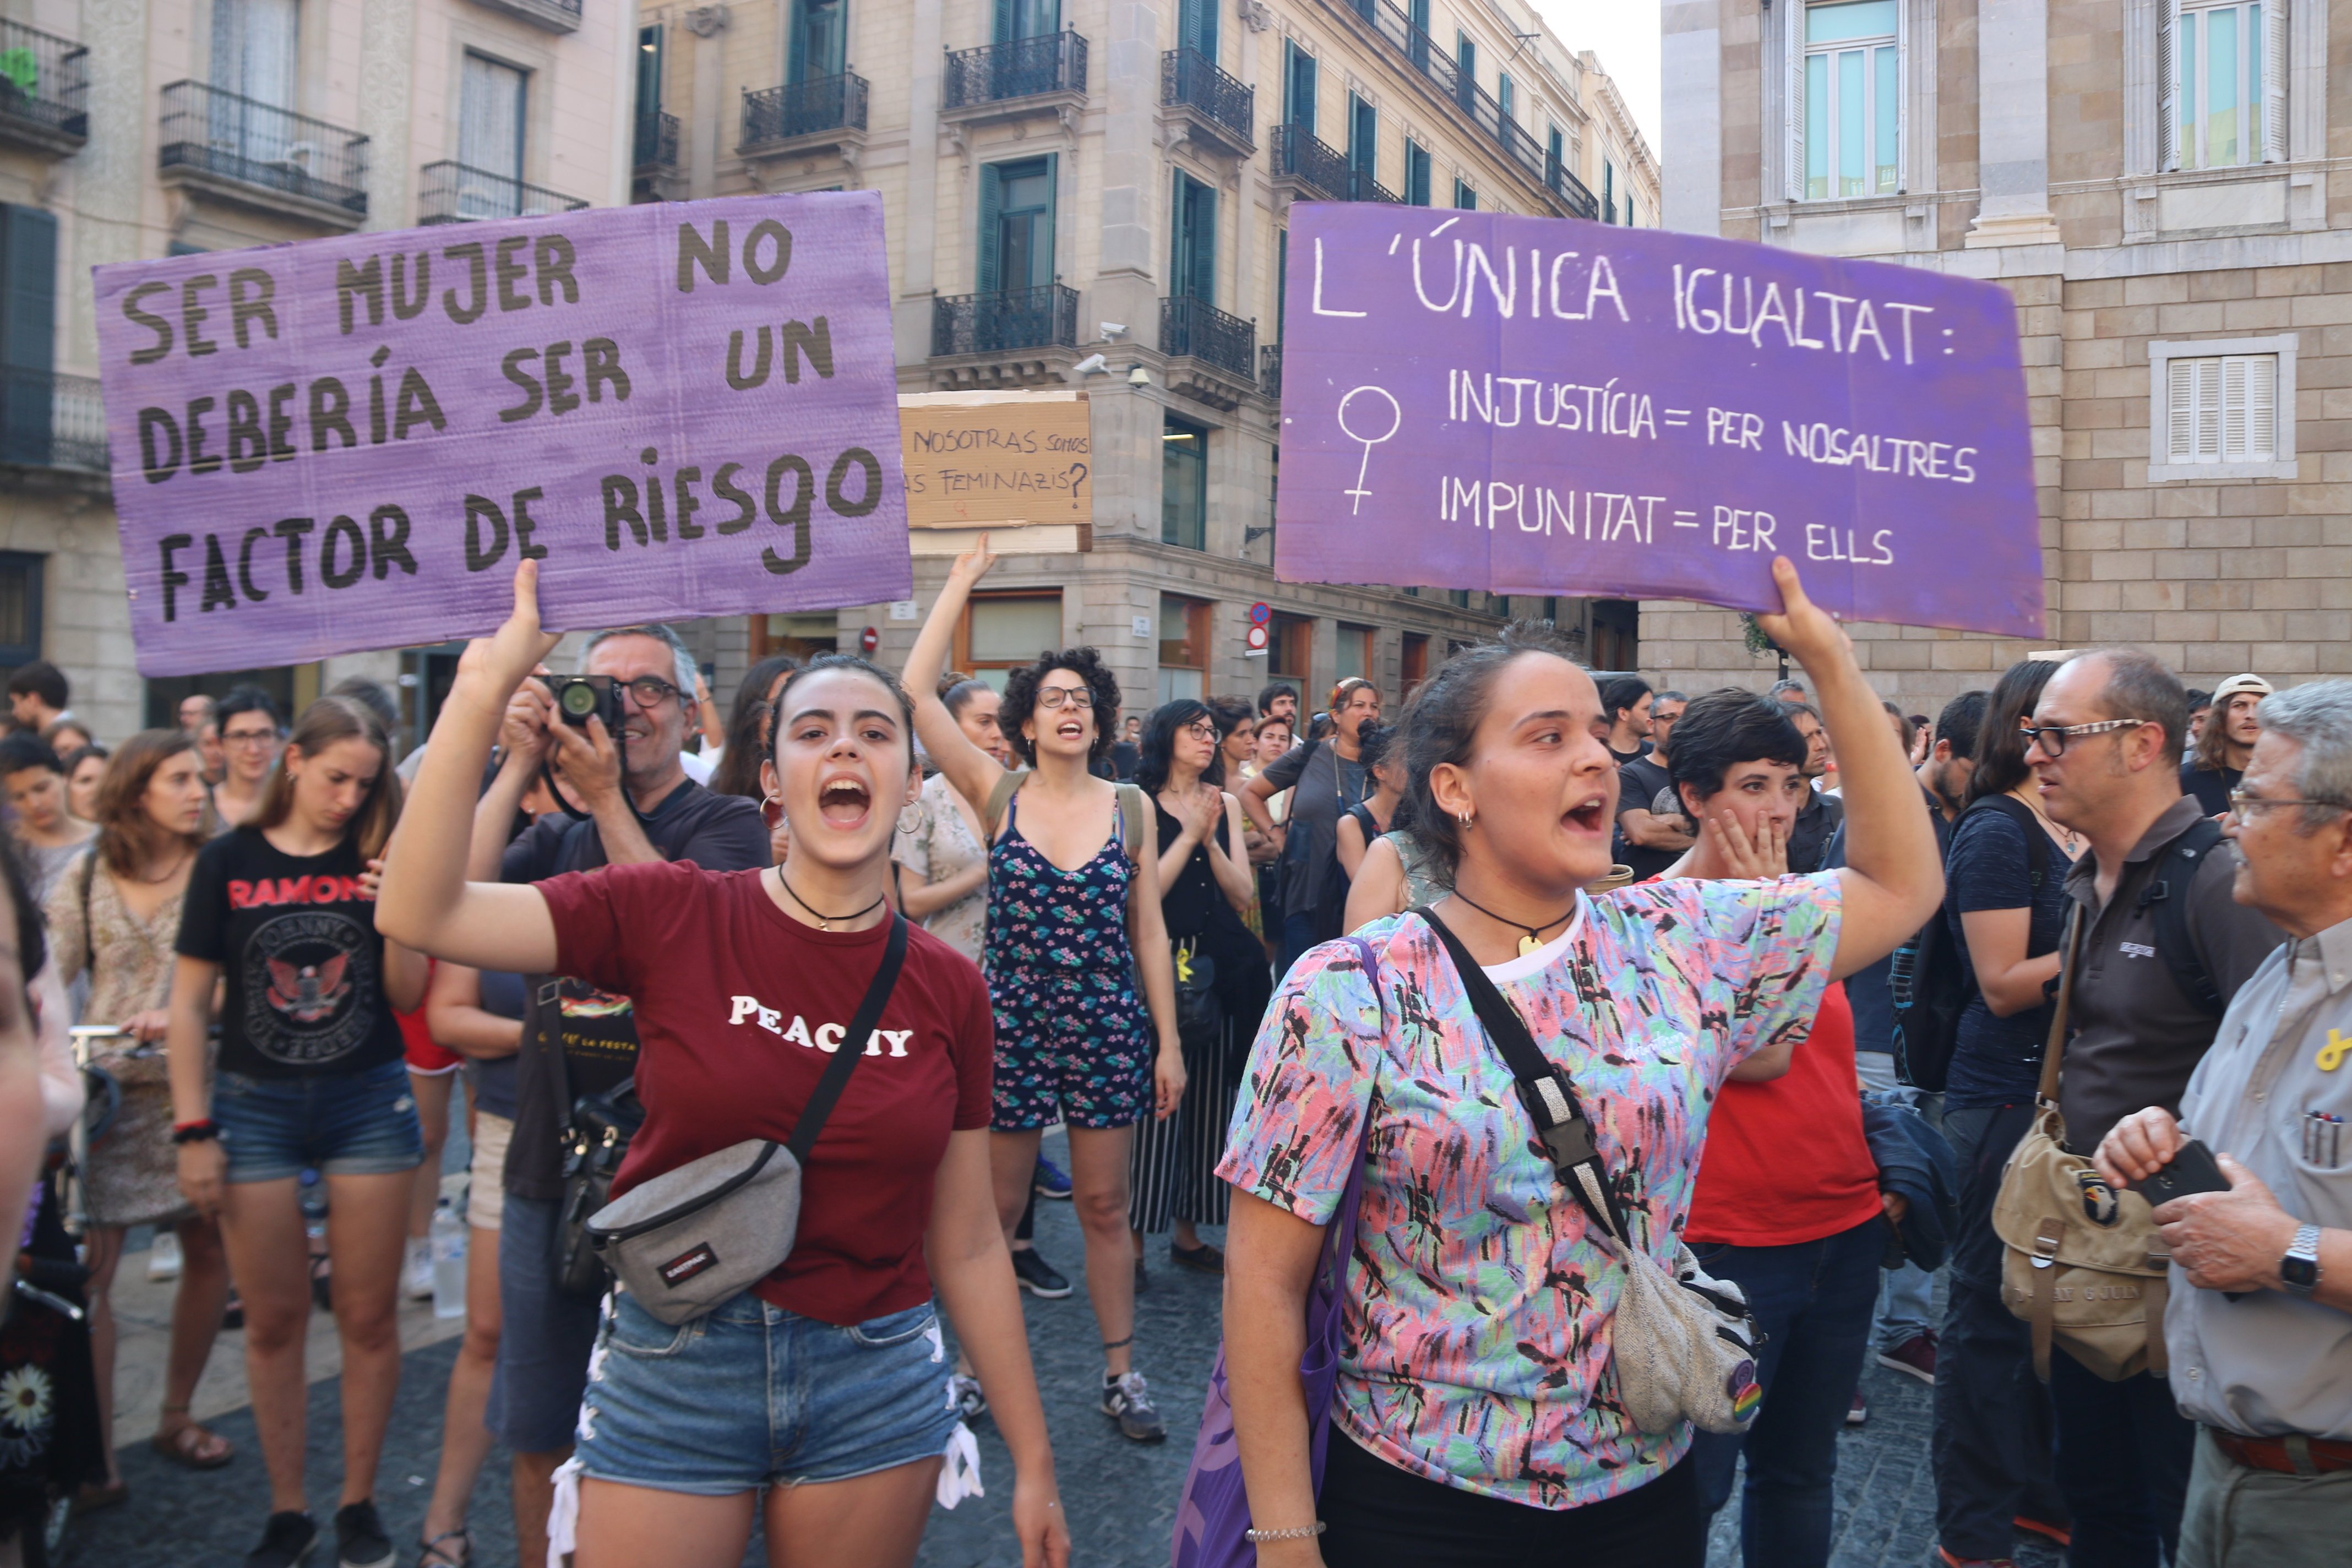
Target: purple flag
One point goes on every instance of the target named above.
(684, 408)
(1539, 405)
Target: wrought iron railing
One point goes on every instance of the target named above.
(260, 146)
(455, 193)
(1190, 78)
(44, 80)
(1056, 62)
(800, 108)
(656, 146)
(51, 421)
(1362, 188)
(1043, 317)
(1196, 329)
(1571, 191)
(1269, 370)
(1296, 154)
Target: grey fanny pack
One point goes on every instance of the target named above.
(688, 1239)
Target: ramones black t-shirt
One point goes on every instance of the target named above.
(298, 952)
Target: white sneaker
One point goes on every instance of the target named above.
(416, 1270)
(164, 1257)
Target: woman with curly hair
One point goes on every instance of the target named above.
(1073, 917)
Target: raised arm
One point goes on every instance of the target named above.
(425, 902)
(971, 770)
(1893, 880)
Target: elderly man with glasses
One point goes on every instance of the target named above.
(2165, 948)
(2259, 1323)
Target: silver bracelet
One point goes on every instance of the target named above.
(1303, 1532)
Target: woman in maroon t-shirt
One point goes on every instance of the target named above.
(743, 983)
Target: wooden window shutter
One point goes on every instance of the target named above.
(2168, 84)
(2274, 73)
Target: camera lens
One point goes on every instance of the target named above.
(580, 699)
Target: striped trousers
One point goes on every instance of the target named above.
(1172, 1172)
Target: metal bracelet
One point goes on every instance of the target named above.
(1303, 1532)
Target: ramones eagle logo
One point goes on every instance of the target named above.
(306, 974)
(2099, 1203)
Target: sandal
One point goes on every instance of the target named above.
(192, 1445)
(432, 1554)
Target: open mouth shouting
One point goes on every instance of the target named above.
(1072, 729)
(842, 801)
(1590, 815)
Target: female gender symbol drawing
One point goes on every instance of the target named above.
(1396, 422)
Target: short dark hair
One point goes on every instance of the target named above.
(1020, 698)
(1621, 692)
(1272, 689)
(1999, 749)
(1669, 695)
(1442, 724)
(250, 700)
(1962, 721)
(1378, 743)
(2199, 698)
(22, 751)
(42, 679)
(1156, 752)
(2141, 687)
(1723, 728)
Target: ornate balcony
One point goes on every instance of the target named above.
(1007, 320)
(656, 144)
(453, 193)
(1568, 190)
(238, 149)
(1212, 357)
(824, 112)
(44, 90)
(51, 421)
(1217, 110)
(1309, 170)
(1361, 187)
(1025, 76)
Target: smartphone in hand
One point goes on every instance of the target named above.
(2192, 1169)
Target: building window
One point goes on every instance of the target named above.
(28, 331)
(2222, 408)
(820, 38)
(1016, 225)
(1355, 651)
(804, 634)
(1298, 88)
(2230, 68)
(1554, 156)
(1851, 130)
(1458, 597)
(1608, 190)
(1363, 138)
(20, 609)
(253, 49)
(1413, 667)
(490, 127)
(1507, 95)
(1290, 655)
(1001, 632)
(1183, 647)
(1464, 197)
(1193, 267)
(1465, 71)
(1416, 174)
(1184, 484)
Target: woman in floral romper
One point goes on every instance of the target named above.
(1073, 917)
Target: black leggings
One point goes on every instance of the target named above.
(1377, 1516)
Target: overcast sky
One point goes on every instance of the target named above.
(1624, 33)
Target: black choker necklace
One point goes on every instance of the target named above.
(1528, 942)
(824, 921)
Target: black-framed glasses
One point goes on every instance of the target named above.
(2243, 802)
(650, 691)
(2053, 738)
(1060, 695)
(1202, 730)
(248, 737)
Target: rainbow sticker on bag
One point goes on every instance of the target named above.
(1745, 1394)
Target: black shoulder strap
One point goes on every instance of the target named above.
(1547, 1093)
(2168, 891)
(852, 1047)
(2037, 842)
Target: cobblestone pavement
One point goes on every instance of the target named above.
(1121, 1496)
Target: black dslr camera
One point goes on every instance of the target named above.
(579, 698)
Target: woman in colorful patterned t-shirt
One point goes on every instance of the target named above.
(1477, 1417)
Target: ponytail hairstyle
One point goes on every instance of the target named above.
(324, 722)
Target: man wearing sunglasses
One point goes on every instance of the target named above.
(2165, 947)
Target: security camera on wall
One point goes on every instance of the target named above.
(1114, 329)
(1091, 365)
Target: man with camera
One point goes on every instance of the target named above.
(2258, 1322)
(610, 738)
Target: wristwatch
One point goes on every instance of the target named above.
(2299, 1269)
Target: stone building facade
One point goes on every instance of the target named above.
(2163, 186)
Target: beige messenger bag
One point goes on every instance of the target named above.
(2080, 1261)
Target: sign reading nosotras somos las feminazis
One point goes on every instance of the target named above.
(1020, 464)
(1537, 405)
(681, 409)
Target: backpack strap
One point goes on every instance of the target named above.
(999, 796)
(1131, 819)
(2168, 890)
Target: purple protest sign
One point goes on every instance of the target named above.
(1538, 405)
(684, 408)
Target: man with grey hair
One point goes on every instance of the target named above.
(2258, 1322)
(2165, 948)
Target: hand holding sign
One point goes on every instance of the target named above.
(1808, 633)
(500, 662)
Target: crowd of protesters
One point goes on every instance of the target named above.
(1796, 963)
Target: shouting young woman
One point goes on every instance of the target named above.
(823, 1386)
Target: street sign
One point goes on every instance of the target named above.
(1260, 615)
(1255, 639)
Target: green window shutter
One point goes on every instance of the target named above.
(28, 288)
(1196, 27)
(1004, 23)
(1041, 254)
(992, 209)
(1204, 243)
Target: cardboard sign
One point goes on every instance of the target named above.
(1017, 465)
(683, 410)
(1538, 405)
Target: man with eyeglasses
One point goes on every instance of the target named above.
(251, 730)
(2165, 948)
(2259, 1319)
(635, 804)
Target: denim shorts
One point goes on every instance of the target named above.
(339, 1124)
(752, 1395)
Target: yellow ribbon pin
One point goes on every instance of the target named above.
(2331, 1054)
